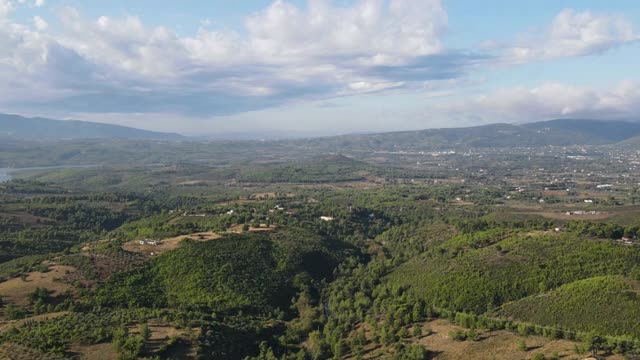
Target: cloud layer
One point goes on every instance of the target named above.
(285, 53)
(573, 33)
(548, 101)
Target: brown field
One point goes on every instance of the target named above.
(499, 345)
(461, 203)
(518, 205)
(237, 229)
(558, 193)
(168, 243)
(364, 184)
(563, 216)
(98, 351)
(16, 290)
(174, 242)
(160, 335)
(263, 195)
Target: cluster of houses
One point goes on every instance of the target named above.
(277, 208)
(186, 213)
(604, 186)
(582, 212)
(149, 242)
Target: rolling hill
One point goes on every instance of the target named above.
(560, 132)
(533, 277)
(606, 304)
(253, 272)
(587, 132)
(15, 126)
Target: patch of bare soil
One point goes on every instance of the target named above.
(17, 290)
(97, 351)
(498, 345)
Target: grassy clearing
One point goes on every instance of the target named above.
(498, 345)
(102, 351)
(17, 290)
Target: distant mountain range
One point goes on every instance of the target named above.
(20, 127)
(554, 132)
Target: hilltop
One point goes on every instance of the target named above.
(15, 126)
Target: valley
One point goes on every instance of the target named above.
(501, 253)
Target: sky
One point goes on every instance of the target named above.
(319, 67)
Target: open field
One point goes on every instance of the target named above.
(16, 290)
(238, 228)
(167, 244)
(564, 216)
(498, 345)
(161, 336)
(173, 243)
(97, 351)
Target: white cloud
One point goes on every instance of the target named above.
(39, 3)
(285, 53)
(371, 32)
(574, 33)
(288, 54)
(40, 23)
(6, 8)
(548, 101)
(369, 29)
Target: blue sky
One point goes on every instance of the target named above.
(319, 67)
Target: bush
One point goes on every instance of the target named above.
(523, 346)
(458, 335)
